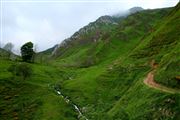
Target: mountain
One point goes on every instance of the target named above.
(159, 50)
(45, 55)
(135, 9)
(97, 41)
(4, 54)
(116, 68)
(48, 51)
(163, 46)
(88, 34)
(94, 30)
(110, 81)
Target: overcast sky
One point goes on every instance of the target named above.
(47, 23)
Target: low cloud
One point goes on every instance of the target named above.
(46, 24)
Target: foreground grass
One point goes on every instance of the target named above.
(32, 98)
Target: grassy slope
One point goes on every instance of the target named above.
(110, 89)
(117, 87)
(3, 53)
(111, 44)
(159, 46)
(163, 46)
(45, 55)
(33, 98)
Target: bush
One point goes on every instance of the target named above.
(21, 69)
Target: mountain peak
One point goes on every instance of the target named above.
(107, 19)
(135, 9)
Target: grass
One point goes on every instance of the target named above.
(113, 87)
(163, 46)
(32, 98)
(104, 78)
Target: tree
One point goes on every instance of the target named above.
(27, 52)
(8, 47)
(35, 51)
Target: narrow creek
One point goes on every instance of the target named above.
(68, 101)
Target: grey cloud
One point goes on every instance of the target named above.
(47, 24)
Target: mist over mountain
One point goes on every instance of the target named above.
(98, 25)
(135, 9)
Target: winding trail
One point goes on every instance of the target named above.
(149, 81)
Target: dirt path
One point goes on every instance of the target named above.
(149, 81)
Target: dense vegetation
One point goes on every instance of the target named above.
(102, 72)
(27, 52)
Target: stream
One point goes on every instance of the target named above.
(68, 101)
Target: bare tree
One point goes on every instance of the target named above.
(35, 52)
(9, 47)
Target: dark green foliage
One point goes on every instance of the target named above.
(27, 52)
(169, 73)
(15, 102)
(21, 69)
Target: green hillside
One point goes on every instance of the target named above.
(107, 44)
(4, 54)
(33, 98)
(45, 55)
(162, 45)
(101, 72)
(113, 88)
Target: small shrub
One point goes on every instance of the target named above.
(21, 69)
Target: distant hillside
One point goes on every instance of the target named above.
(45, 55)
(88, 34)
(7, 55)
(48, 51)
(104, 38)
(94, 31)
